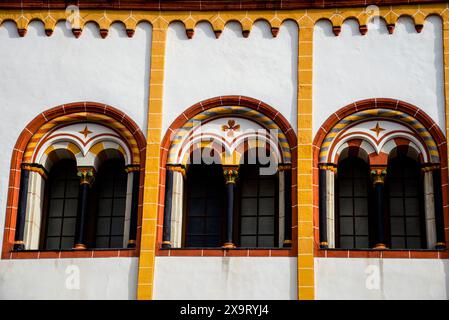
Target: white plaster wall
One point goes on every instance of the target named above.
(405, 65)
(39, 72)
(214, 278)
(99, 278)
(260, 67)
(338, 278)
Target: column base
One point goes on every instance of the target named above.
(440, 245)
(324, 245)
(80, 246)
(131, 244)
(229, 245)
(166, 245)
(287, 244)
(380, 246)
(19, 246)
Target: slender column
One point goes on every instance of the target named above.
(378, 175)
(438, 203)
(19, 244)
(429, 207)
(287, 209)
(230, 174)
(134, 175)
(326, 205)
(86, 175)
(177, 206)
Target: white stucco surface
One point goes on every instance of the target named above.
(213, 278)
(405, 65)
(260, 67)
(99, 278)
(38, 73)
(338, 278)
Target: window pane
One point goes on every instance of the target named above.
(346, 242)
(248, 241)
(266, 225)
(54, 227)
(102, 242)
(266, 206)
(361, 242)
(397, 226)
(346, 208)
(70, 208)
(68, 228)
(346, 226)
(105, 207)
(67, 243)
(266, 241)
(397, 242)
(267, 188)
(117, 226)
(196, 225)
(361, 226)
(249, 225)
(103, 226)
(52, 243)
(72, 189)
(345, 188)
(116, 242)
(56, 208)
(413, 226)
(361, 206)
(249, 207)
(119, 207)
(249, 188)
(396, 207)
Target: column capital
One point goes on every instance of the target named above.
(231, 173)
(284, 167)
(427, 167)
(328, 166)
(86, 175)
(177, 167)
(132, 168)
(378, 174)
(35, 167)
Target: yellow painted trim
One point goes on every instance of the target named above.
(151, 184)
(305, 272)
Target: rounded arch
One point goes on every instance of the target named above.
(50, 119)
(407, 114)
(245, 107)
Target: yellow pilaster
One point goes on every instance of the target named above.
(445, 17)
(306, 281)
(151, 184)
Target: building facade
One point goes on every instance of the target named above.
(224, 150)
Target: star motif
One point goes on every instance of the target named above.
(230, 127)
(85, 132)
(377, 129)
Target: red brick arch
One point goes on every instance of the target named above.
(437, 135)
(33, 127)
(197, 108)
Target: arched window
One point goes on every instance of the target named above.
(258, 205)
(61, 201)
(405, 195)
(204, 225)
(352, 203)
(111, 187)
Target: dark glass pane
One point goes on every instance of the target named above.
(111, 184)
(53, 243)
(103, 226)
(56, 208)
(205, 205)
(406, 216)
(54, 227)
(258, 210)
(67, 243)
(352, 203)
(68, 228)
